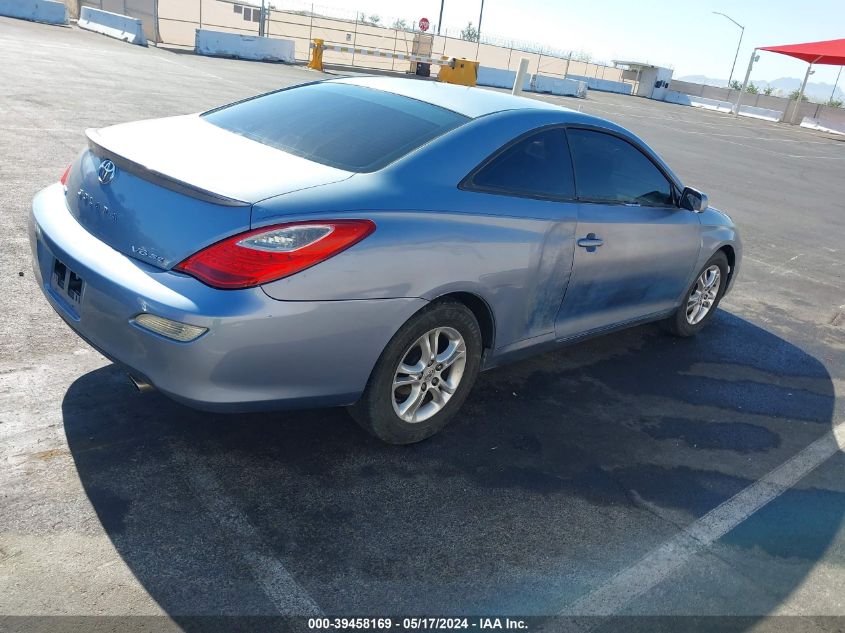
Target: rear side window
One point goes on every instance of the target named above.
(349, 127)
(610, 169)
(538, 165)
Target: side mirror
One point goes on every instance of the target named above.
(694, 200)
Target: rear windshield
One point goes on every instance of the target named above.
(349, 127)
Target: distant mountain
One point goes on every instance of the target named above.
(819, 92)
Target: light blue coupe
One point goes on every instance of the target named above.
(371, 242)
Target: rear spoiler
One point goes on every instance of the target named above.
(95, 144)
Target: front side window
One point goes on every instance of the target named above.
(538, 166)
(610, 169)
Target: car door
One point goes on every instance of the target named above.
(529, 185)
(635, 247)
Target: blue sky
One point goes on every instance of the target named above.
(680, 33)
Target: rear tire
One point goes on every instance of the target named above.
(702, 298)
(423, 375)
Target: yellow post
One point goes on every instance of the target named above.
(463, 72)
(316, 61)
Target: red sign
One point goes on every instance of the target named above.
(424, 24)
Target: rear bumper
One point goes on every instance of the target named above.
(258, 352)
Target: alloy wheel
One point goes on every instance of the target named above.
(429, 374)
(703, 294)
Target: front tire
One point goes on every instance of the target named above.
(702, 298)
(423, 375)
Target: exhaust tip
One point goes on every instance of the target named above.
(141, 385)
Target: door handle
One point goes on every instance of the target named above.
(591, 242)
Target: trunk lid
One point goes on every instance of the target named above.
(178, 185)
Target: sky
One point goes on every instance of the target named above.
(683, 34)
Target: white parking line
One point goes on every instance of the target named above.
(287, 595)
(656, 566)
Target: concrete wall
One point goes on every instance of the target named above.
(144, 10)
(761, 113)
(503, 78)
(559, 86)
(835, 127)
(604, 85)
(121, 27)
(220, 44)
(717, 105)
(831, 119)
(768, 102)
(500, 78)
(35, 10)
(681, 98)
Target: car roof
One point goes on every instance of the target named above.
(470, 102)
(477, 102)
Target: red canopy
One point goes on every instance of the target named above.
(831, 52)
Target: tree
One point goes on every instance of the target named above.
(400, 25)
(373, 20)
(793, 96)
(470, 33)
(735, 85)
(768, 90)
(834, 103)
(751, 88)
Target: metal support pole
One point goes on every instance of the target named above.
(155, 21)
(745, 82)
(262, 15)
(835, 85)
(354, 39)
(480, 15)
(733, 66)
(395, 37)
(440, 19)
(311, 24)
(741, 33)
(801, 92)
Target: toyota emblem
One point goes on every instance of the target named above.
(105, 174)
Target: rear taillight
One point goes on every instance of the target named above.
(273, 252)
(63, 179)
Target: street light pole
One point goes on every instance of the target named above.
(480, 15)
(741, 33)
(440, 19)
(754, 58)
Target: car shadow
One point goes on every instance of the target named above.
(560, 471)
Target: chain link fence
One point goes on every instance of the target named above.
(174, 23)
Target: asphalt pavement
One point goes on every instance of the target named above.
(630, 475)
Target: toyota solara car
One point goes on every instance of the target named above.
(368, 242)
